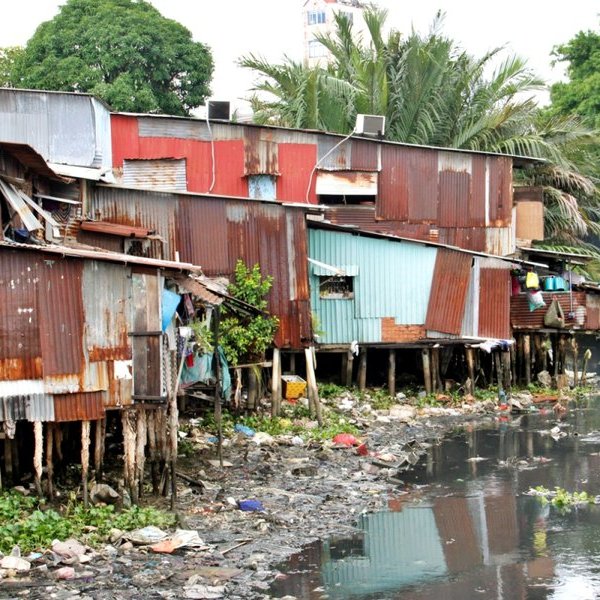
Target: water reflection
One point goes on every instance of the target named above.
(466, 529)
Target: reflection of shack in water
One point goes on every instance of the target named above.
(447, 550)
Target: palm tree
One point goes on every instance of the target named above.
(434, 93)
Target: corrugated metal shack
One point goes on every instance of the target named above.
(215, 232)
(385, 292)
(454, 197)
(80, 334)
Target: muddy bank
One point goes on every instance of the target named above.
(303, 491)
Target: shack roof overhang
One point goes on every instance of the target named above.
(116, 257)
(57, 92)
(518, 160)
(569, 257)
(33, 160)
(359, 232)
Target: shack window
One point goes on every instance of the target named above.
(336, 287)
(262, 187)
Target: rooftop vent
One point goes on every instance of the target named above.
(370, 125)
(218, 109)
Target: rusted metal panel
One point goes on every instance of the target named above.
(106, 290)
(527, 193)
(448, 292)
(365, 155)
(163, 174)
(593, 311)
(202, 234)
(261, 156)
(423, 182)
(334, 160)
(115, 229)
(79, 407)
(28, 397)
(229, 168)
(13, 409)
(468, 238)
(454, 198)
(572, 303)
(61, 317)
(297, 162)
(478, 197)
(120, 388)
(392, 197)
(494, 303)
(530, 220)
(20, 350)
(152, 211)
(500, 186)
(40, 408)
(347, 183)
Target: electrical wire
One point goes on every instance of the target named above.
(312, 173)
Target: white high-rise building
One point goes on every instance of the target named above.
(318, 18)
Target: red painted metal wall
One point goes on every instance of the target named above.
(296, 162)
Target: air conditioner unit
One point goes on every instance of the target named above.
(219, 109)
(370, 125)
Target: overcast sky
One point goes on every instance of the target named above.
(273, 28)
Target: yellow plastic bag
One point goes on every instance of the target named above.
(532, 281)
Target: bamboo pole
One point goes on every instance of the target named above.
(313, 390)
(276, 383)
(426, 370)
(50, 459)
(37, 455)
(392, 372)
(140, 450)
(470, 369)
(85, 459)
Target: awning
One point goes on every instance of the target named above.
(83, 172)
(346, 183)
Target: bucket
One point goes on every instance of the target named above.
(550, 284)
(560, 284)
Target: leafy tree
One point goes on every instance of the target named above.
(123, 51)
(246, 336)
(581, 94)
(8, 58)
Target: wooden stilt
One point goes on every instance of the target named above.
(85, 459)
(586, 357)
(37, 455)
(293, 363)
(349, 368)
(140, 450)
(152, 452)
(513, 364)
(470, 388)
(50, 459)
(276, 384)
(392, 372)
(98, 443)
(343, 367)
(313, 390)
(8, 460)
(575, 351)
(252, 389)
(58, 440)
(128, 421)
(362, 370)
(555, 355)
(436, 379)
(498, 365)
(506, 369)
(527, 359)
(426, 370)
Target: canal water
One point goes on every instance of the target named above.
(464, 526)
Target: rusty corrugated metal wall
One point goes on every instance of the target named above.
(448, 292)
(494, 303)
(214, 232)
(522, 318)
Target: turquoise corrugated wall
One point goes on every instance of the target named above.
(394, 280)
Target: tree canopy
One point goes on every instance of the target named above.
(123, 51)
(581, 94)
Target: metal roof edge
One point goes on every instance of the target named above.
(354, 230)
(57, 92)
(526, 159)
(104, 256)
(302, 205)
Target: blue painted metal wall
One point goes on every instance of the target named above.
(393, 280)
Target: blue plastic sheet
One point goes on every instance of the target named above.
(170, 301)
